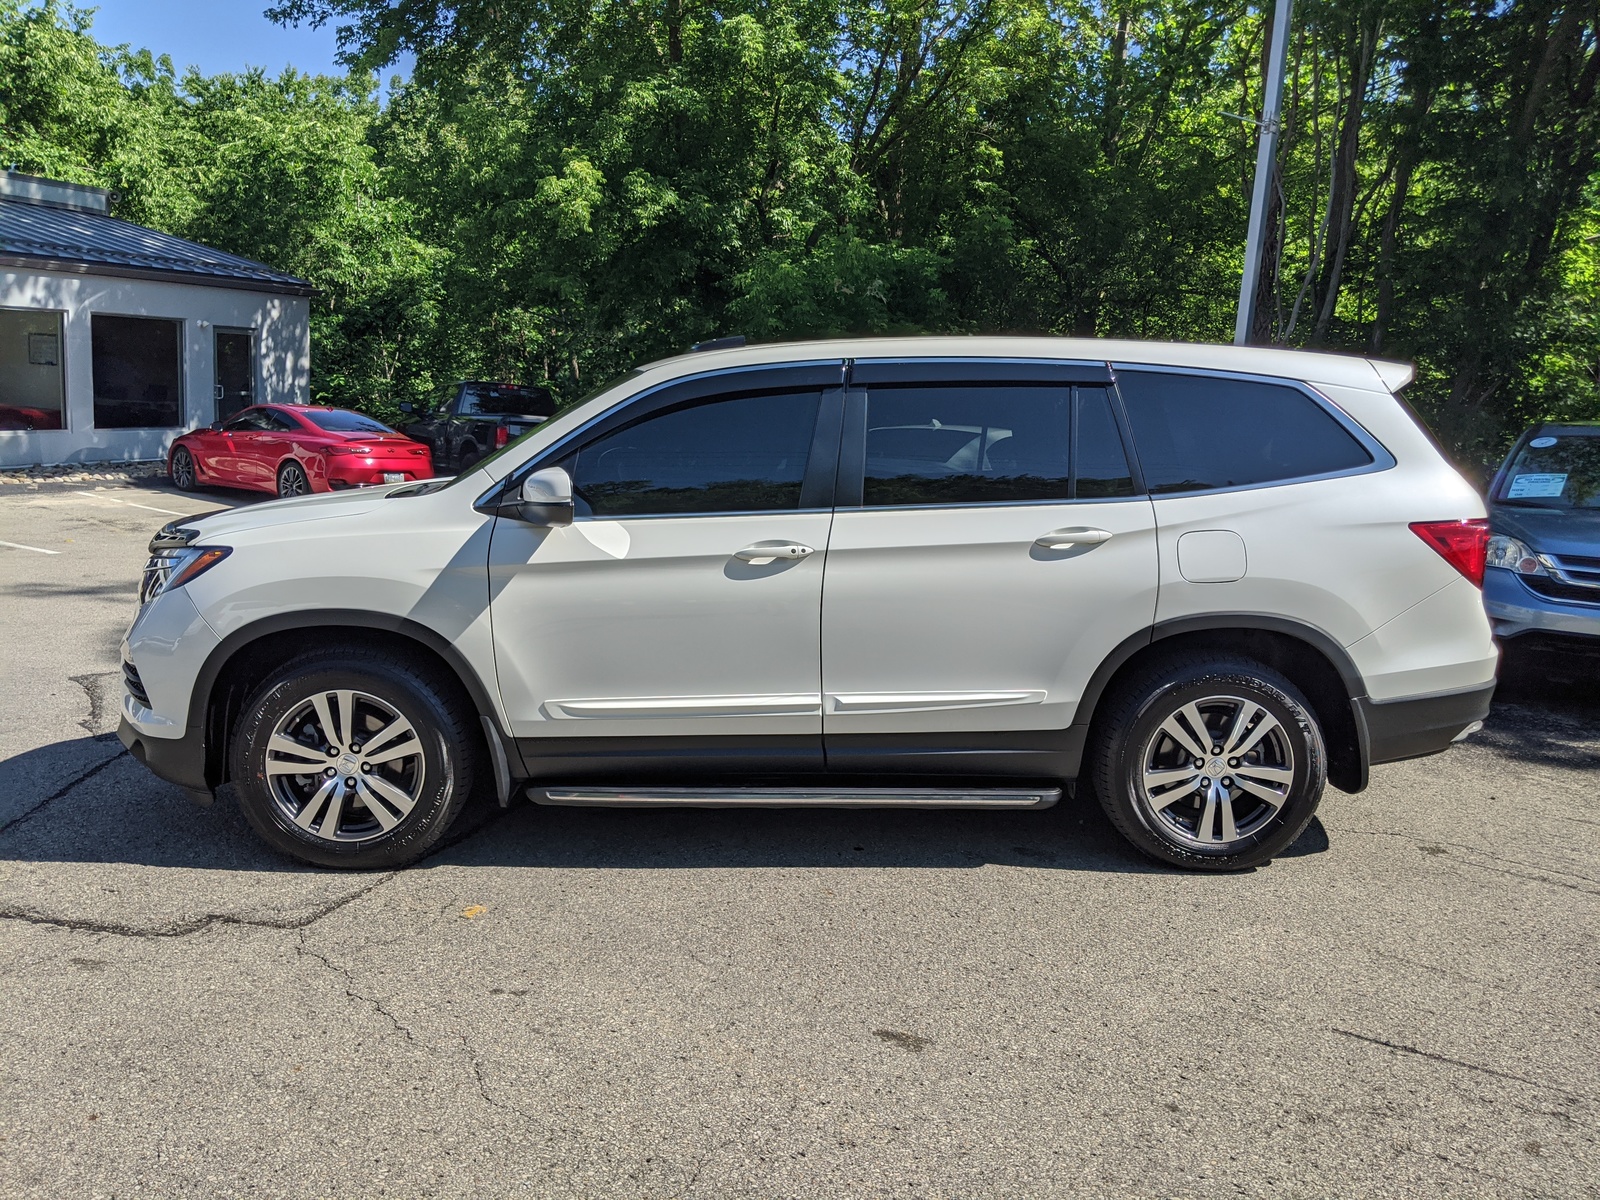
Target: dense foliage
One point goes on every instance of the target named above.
(568, 187)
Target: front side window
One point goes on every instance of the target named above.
(249, 421)
(32, 388)
(731, 454)
(967, 444)
(138, 372)
(1199, 432)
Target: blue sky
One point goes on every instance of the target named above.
(217, 35)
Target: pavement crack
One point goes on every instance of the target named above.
(1544, 875)
(483, 1087)
(179, 929)
(349, 989)
(81, 778)
(1402, 1048)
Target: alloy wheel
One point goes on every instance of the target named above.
(182, 470)
(292, 481)
(345, 766)
(1216, 772)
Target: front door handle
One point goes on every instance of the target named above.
(1061, 539)
(768, 551)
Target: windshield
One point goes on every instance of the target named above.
(1555, 471)
(342, 420)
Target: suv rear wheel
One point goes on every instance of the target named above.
(352, 759)
(1210, 762)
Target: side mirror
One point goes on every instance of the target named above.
(545, 499)
(407, 407)
(215, 427)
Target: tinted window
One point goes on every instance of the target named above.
(746, 454)
(138, 372)
(1194, 432)
(967, 444)
(498, 399)
(1102, 464)
(277, 422)
(243, 423)
(339, 420)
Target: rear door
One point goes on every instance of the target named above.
(991, 547)
(654, 624)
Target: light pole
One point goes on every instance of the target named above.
(1266, 154)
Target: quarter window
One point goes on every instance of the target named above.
(732, 454)
(967, 445)
(1101, 466)
(1197, 432)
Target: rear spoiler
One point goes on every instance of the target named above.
(1395, 375)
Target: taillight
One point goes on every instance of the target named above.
(1462, 544)
(502, 437)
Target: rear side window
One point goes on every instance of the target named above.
(733, 454)
(967, 444)
(1197, 432)
(1102, 464)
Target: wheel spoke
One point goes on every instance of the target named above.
(1155, 779)
(1273, 798)
(278, 744)
(1167, 799)
(330, 730)
(1281, 775)
(330, 823)
(1241, 722)
(383, 737)
(347, 717)
(313, 807)
(1208, 820)
(374, 792)
(1230, 832)
(1267, 725)
(1174, 729)
(409, 748)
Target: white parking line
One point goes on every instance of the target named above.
(35, 549)
(98, 496)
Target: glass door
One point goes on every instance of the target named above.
(235, 371)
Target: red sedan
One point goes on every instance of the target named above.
(293, 449)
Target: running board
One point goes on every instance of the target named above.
(797, 797)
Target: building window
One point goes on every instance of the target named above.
(138, 372)
(32, 389)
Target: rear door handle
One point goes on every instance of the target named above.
(1061, 539)
(768, 551)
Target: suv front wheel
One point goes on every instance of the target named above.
(1210, 762)
(352, 759)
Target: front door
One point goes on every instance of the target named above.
(235, 370)
(996, 552)
(684, 601)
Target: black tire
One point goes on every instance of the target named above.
(468, 459)
(1137, 762)
(182, 470)
(292, 480)
(438, 774)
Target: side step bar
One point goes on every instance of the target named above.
(797, 797)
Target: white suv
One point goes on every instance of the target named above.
(924, 572)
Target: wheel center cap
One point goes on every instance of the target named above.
(349, 764)
(1216, 768)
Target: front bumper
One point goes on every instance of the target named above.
(1515, 609)
(1393, 730)
(180, 760)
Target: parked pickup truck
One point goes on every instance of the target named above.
(476, 418)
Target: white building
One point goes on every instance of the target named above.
(115, 338)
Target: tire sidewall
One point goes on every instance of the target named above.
(446, 783)
(284, 470)
(1281, 699)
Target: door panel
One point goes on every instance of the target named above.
(235, 364)
(1001, 555)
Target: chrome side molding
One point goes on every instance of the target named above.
(720, 797)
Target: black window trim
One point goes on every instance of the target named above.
(825, 376)
(1382, 460)
(851, 488)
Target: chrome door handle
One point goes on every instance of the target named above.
(1063, 538)
(767, 551)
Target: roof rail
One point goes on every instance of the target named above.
(722, 343)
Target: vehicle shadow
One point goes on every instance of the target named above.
(114, 811)
(1546, 709)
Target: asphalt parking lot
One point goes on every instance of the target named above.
(593, 1003)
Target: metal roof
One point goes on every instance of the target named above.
(47, 237)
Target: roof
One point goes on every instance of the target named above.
(49, 237)
(1342, 370)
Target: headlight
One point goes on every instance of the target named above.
(1512, 555)
(173, 562)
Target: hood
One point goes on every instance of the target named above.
(1570, 531)
(318, 507)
